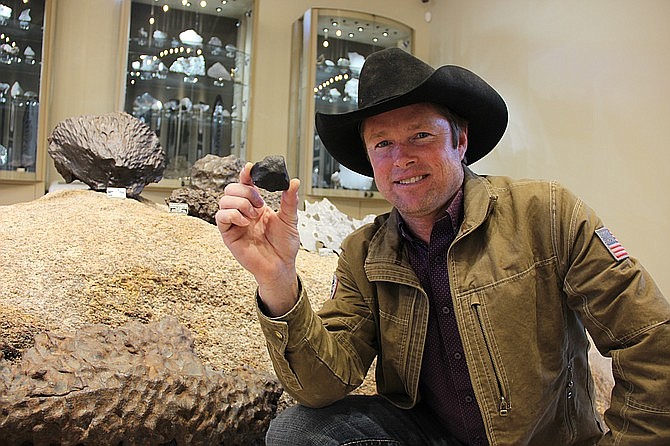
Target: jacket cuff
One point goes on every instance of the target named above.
(286, 331)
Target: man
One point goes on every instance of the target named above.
(473, 293)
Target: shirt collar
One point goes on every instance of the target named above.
(454, 212)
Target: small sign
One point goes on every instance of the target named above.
(178, 208)
(116, 192)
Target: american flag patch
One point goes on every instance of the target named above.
(612, 244)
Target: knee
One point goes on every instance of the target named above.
(288, 428)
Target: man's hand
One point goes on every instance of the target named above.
(265, 242)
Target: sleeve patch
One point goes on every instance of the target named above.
(612, 244)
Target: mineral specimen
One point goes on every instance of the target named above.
(271, 173)
(112, 150)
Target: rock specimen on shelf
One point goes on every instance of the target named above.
(219, 71)
(111, 150)
(191, 66)
(271, 174)
(136, 384)
(190, 37)
(5, 13)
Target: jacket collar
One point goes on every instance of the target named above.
(479, 197)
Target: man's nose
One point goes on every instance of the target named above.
(405, 155)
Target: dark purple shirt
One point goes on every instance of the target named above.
(445, 382)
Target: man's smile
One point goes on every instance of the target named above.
(411, 180)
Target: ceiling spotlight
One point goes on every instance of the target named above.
(203, 3)
(338, 33)
(325, 44)
(360, 29)
(166, 8)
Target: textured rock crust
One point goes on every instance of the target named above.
(140, 384)
(202, 203)
(271, 174)
(216, 172)
(112, 150)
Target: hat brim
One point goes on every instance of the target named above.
(461, 91)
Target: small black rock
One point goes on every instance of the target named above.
(271, 173)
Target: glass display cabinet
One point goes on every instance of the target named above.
(21, 68)
(188, 77)
(330, 47)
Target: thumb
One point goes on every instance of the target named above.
(288, 208)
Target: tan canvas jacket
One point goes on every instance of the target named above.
(528, 274)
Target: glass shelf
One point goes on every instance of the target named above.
(21, 42)
(188, 76)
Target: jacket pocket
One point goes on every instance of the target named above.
(504, 404)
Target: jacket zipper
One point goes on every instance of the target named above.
(504, 407)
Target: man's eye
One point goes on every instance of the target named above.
(421, 135)
(382, 144)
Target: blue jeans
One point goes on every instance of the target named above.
(357, 420)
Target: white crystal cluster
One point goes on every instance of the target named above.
(322, 226)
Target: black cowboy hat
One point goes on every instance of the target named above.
(392, 78)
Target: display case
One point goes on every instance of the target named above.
(187, 78)
(21, 75)
(330, 47)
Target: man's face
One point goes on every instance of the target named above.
(416, 166)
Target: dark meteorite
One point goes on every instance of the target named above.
(271, 173)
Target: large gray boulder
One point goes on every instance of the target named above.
(140, 384)
(111, 150)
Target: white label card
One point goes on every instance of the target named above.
(178, 208)
(116, 192)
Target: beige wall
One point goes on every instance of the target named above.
(85, 73)
(588, 90)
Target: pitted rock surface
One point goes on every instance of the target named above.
(202, 203)
(216, 172)
(111, 150)
(271, 174)
(140, 384)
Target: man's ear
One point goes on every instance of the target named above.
(463, 143)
